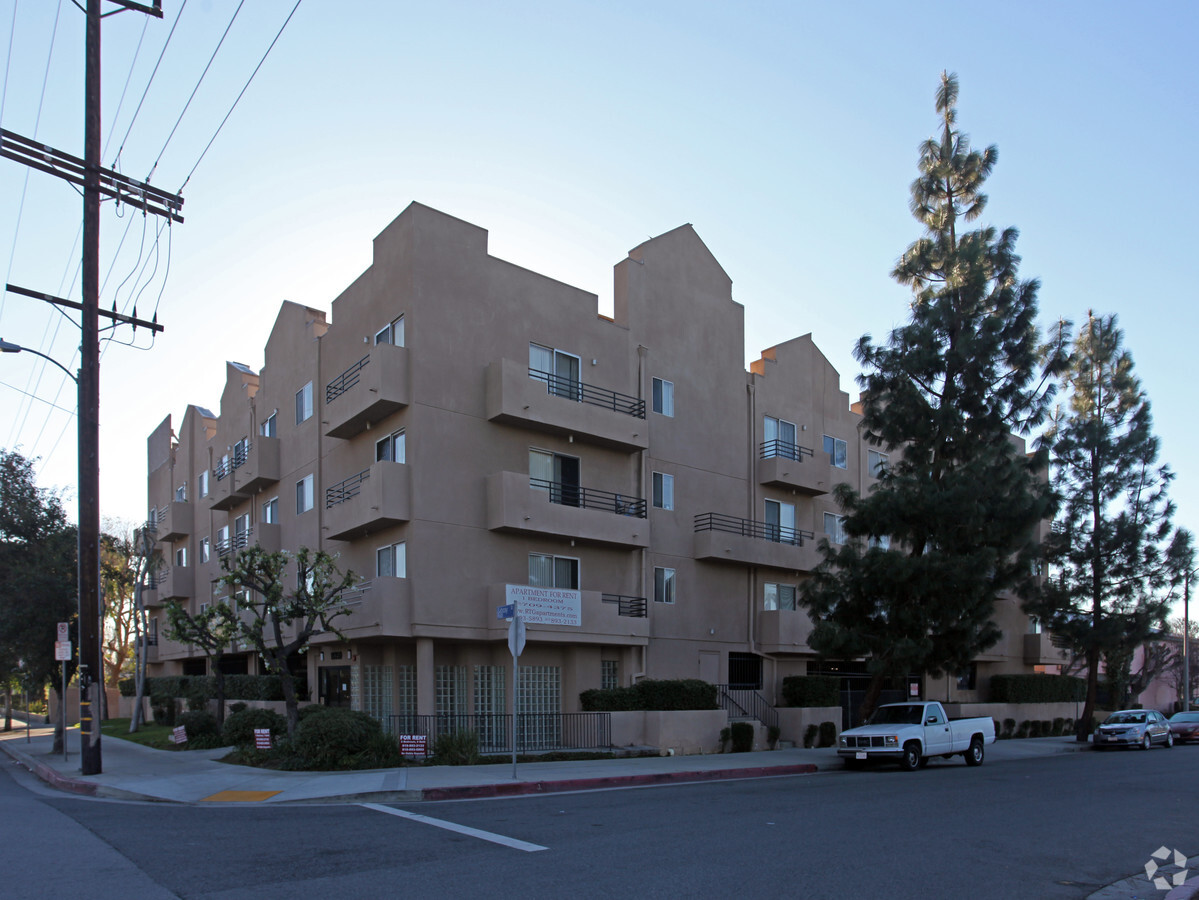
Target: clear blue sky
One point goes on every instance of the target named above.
(786, 133)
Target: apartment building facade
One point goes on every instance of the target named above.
(462, 424)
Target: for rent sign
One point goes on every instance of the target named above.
(546, 606)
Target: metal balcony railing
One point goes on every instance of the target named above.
(752, 528)
(633, 607)
(346, 379)
(586, 393)
(222, 470)
(345, 490)
(241, 452)
(590, 498)
(238, 541)
(783, 449)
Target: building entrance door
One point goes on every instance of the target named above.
(335, 685)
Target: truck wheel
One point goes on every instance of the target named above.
(974, 755)
(923, 762)
(1146, 742)
(910, 761)
(854, 765)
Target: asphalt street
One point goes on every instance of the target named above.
(1052, 827)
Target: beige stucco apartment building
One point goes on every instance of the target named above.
(459, 424)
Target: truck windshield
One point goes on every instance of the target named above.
(907, 714)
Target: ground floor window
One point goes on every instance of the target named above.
(609, 674)
(489, 707)
(540, 705)
(376, 692)
(450, 690)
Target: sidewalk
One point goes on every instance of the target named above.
(134, 772)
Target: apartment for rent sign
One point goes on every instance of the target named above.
(546, 606)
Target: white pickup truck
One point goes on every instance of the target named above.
(912, 733)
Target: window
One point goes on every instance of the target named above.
(834, 527)
(391, 448)
(664, 397)
(391, 333)
(304, 494)
(881, 542)
(968, 678)
(202, 483)
(304, 403)
(392, 561)
(609, 674)
(204, 553)
(553, 571)
(779, 439)
(241, 531)
(555, 474)
(181, 556)
(780, 522)
(449, 692)
(558, 369)
(663, 491)
(837, 450)
(223, 545)
(877, 463)
(270, 511)
(240, 451)
(222, 467)
(181, 493)
(779, 596)
(267, 428)
(663, 585)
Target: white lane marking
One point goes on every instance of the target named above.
(461, 829)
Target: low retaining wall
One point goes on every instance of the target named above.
(794, 721)
(683, 732)
(1018, 711)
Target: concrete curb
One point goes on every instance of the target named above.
(48, 775)
(1185, 891)
(475, 792)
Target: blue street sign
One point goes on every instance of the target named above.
(505, 612)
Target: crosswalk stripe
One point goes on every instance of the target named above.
(460, 829)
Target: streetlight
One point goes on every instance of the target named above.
(6, 347)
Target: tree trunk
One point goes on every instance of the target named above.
(59, 736)
(8, 707)
(139, 658)
(220, 691)
(289, 697)
(870, 702)
(1082, 730)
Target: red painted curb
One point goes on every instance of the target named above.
(53, 778)
(519, 788)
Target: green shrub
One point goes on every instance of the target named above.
(726, 735)
(460, 748)
(742, 736)
(809, 736)
(772, 735)
(811, 690)
(828, 734)
(1022, 731)
(305, 711)
(203, 732)
(1068, 726)
(1009, 726)
(1037, 689)
(237, 687)
(237, 707)
(332, 737)
(240, 725)
(1059, 726)
(1034, 729)
(1046, 728)
(683, 693)
(127, 687)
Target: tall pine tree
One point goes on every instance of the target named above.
(1111, 552)
(959, 502)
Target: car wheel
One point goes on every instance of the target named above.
(1146, 742)
(974, 755)
(910, 761)
(1169, 739)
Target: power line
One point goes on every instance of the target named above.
(8, 58)
(71, 412)
(239, 96)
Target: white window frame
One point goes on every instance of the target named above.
(838, 456)
(876, 462)
(786, 530)
(881, 541)
(663, 491)
(205, 551)
(390, 444)
(269, 514)
(304, 403)
(774, 430)
(662, 399)
(397, 559)
(270, 425)
(834, 527)
(304, 495)
(181, 557)
(181, 493)
(664, 584)
(556, 383)
(572, 561)
(773, 596)
(389, 333)
(202, 483)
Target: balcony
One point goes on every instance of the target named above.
(1040, 651)
(239, 541)
(259, 467)
(518, 395)
(176, 583)
(607, 619)
(223, 492)
(720, 538)
(378, 608)
(514, 504)
(374, 499)
(783, 630)
(783, 464)
(368, 391)
(174, 521)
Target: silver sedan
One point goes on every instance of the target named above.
(1134, 728)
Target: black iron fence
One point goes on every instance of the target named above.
(590, 498)
(586, 393)
(746, 704)
(784, 449)
(752, 528)
(345, 380)
(634, 607)
(345, 490)
(535, 732)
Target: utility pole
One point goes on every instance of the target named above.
(96, 181)
(1186, 640)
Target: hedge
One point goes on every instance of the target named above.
(684, 693)
(1037, 689)
(811, 690)
(237, 687)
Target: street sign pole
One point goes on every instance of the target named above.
(516, 643)
(62, 710)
